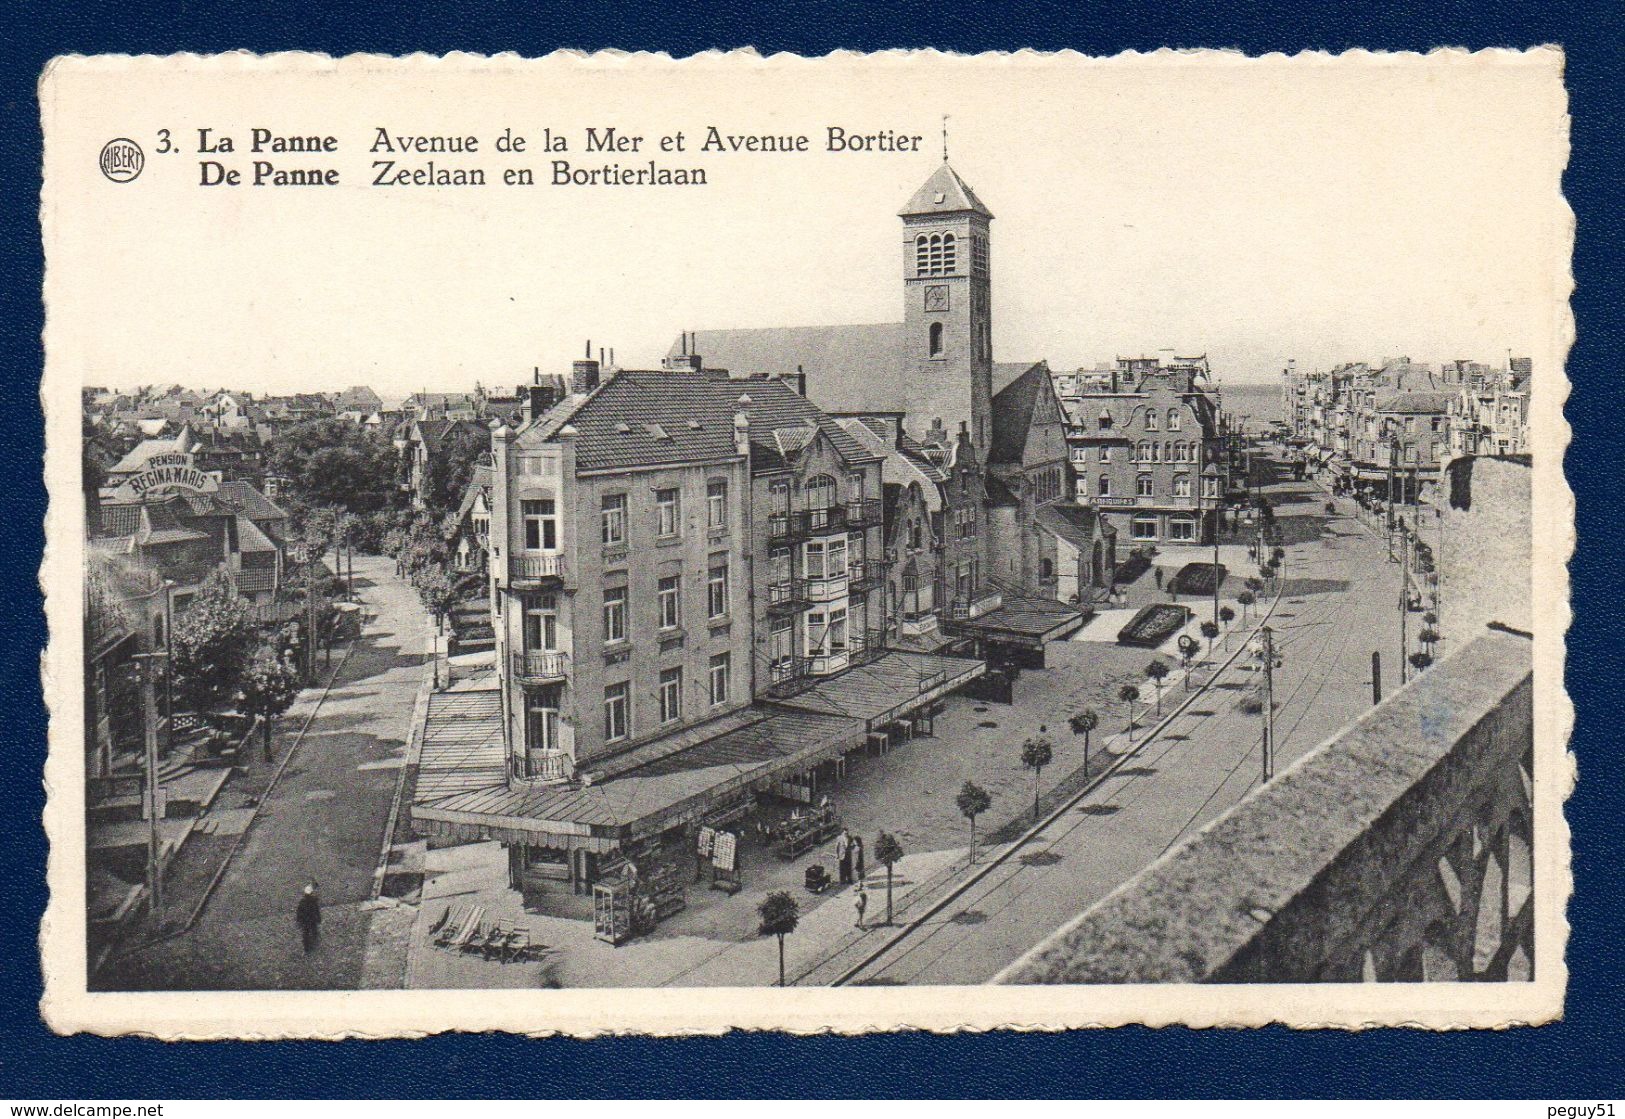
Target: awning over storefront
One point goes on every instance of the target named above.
(886, 689)
(672, 790)
(1028, 622)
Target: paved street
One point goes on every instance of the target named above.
(1338, 602)
(324, 819)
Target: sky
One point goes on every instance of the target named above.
(1314, 208)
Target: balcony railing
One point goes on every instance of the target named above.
(866, 576)
(868, 645)
(827, 589)
(865, 512)
(961, 609)
(541, 667)
(534, 567)
(1399, 851)
(786, 596)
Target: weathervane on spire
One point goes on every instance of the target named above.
(945, 137)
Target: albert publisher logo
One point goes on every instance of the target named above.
(122, 160)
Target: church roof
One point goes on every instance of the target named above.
(1013, 413)
(944, 193)
(848, 368)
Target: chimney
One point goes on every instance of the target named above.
(584, 373)
(542, 396)
(741, 431)
(796, 380)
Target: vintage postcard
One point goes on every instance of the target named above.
(612, 543)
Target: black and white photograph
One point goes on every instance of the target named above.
(937, 541)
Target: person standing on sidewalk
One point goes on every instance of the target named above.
(860, 902)
(857, 858)
(308, 915)
(843, 853)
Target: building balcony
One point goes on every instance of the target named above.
(923, 624)
(961, 609)
(786, 676)
(828, 589)
(535, 567)
(786, 528)
(550, 666)
(867, 645)
(828, 664)
(866, 512)
(787, 596)
(866, 576)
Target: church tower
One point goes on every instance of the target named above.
(948, 307)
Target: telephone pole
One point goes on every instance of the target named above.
(1404, 604)
(1268, 637)
(149, 720)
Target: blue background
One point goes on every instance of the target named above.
(1578, 1058)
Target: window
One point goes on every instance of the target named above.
(1150, 419)
(1182, 485)
(915, 535)
(721, 674)
(1144, 528)
(948, 261)
(978, 250)
(1181, 528)
(542, 720)
(615, 614)
(1046, 568)
(1210, 487)
(671, 695)
(669, 600)
(614, 519)
(854, 486)
(716, 587)
(1105, 420)
(668, 512)
(541, 623)
(1105, 454)
(1142, 451)
(934, 339)
(922, 255)
(1143, 486)
(781, 642)
(820, 492)
(541, 525)
(617, 712)
(716, 504)
(1173, 419)
(837, 630)
(1105, 485)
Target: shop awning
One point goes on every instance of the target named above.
(890, 687)
(1029, 622)
(665, 793)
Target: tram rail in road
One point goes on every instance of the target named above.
(1025, 840)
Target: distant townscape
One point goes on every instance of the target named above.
(726, 671)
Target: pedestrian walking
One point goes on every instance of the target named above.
(860, 902)
(843, 853)
(308, 915)
(857, 858)
(1158, 573)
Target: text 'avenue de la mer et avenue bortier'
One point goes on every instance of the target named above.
(274, 159)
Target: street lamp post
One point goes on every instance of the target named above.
(149, 719)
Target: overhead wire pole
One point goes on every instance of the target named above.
(149, 719)
(1268, 637)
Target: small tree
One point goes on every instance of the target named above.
(437, 592)
(269, 687)
(1226, 616)
(1210, 631)
(973, 800)
(1187, 653)
(779, 913)
(1036, 753)
(1277, 556)
(1083, 723)
(1246, 598)
(1130, 695)
(212, 643)
(1157, 672)
(1429, 637)
(1420, 661)
(887, 853)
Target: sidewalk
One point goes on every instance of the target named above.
(323, 819)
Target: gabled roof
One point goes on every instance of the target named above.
(944, 193)
(849, 368)
(250, 538)
(999, 494)
(1013, 408)
(1077, 524)
(898, 468)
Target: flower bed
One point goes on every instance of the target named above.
(1153, 625)
(1198, 578)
